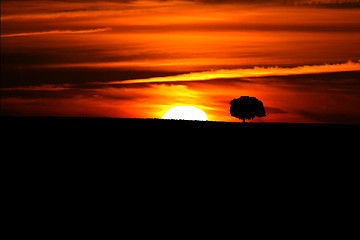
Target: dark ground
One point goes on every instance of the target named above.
(122, 128)
(126, 141)
(151, 134)
(181, 144)
(71, 123)
(71, 171)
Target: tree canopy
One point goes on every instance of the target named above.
(246, 107)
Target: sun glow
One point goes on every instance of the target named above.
(185, 113)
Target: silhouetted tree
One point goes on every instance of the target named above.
(246, 107)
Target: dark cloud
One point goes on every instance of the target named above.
(249, 1)
(337, 81)
(274, 110)
(74, 1)
(25, 58)
(318, 3)
(334, 4)
(43, 94)
(315, 3)
(339, 118)
(225, 27)
(12, 78)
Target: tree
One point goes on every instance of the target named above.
(246, 107)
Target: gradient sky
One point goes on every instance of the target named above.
(139, 58)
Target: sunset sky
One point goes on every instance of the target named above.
(137, 58)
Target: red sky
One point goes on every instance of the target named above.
(139, 58)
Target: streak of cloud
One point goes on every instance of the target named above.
(56, 32)
(250, 72)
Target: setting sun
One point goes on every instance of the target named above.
(185, 113)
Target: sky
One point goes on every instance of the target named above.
(137, 59)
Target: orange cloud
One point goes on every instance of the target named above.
(57, 32)
(250, 72)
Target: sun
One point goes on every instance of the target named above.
(185, 113)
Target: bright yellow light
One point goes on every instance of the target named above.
(185, 113)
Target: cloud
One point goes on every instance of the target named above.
(73, 1)
(323, 3)
(250, 72)
(56, 32)
(273, 110)
(312, 3)
(326, 97)
(339, 118)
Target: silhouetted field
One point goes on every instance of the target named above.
(157, 132)
(74, 156)
(129, 139)
(126, 126)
